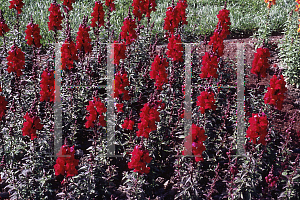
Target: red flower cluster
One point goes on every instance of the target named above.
(175, 16)
(260, 63)
(209, 65)
(98, 15)
(221, 32)
(31, 125)
(258, 128)
(55, 18)
(47, 86)
(68, 3)
(158, 72)
(66, 165)
(16, 60)
(175, 49)
(120, 82)
(197, 146)
(139, 159)
(148, 118)
(141, 7)
(128, 33)
(100, 109)
(275, 94)
(128, 124)
(3, 104)
(83, 42)
(119, 52)
(120, 107)
(110, 4)
(16, 4)
(68, 54)
(206, 101)
(33, 35)
(3, 26)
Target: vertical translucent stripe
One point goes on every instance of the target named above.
(188, 104)
(57, 101)
(110, 102)
(240, 100)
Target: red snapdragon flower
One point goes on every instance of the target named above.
(98, 15)
(148, 118)
(175, 49)
(3, 104)
(128, 124)
(260, 63)
(120, 107)
(68, 4)
(141, 7)
(158, 72)
(47, 86)
(3, 26)
(66, 165)
(139, 159)
(16, 60)
(128, 33)
(16, 4)
(206, 101)
(119, 52)
(68, 54)
(258, 128)
(33, 35)
(31, 125)
(194, 142)
(55, 18)
(175, 15)
(110, 5)
(100, 109)
(120, 82)
(209, 65)
(83, 42)
(275, 94)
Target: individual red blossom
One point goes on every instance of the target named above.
(66, 163)
(31, 125)
(3, 26)
(55, 18)
(139, 159)
(47, 86)
(68, 4)
(110, 5)
(100, 109)
(206, 101)
(128, 124)
(120, 107)
(128, 33)
(3, 104)
(275, 94)
(258, 128)
(158, 72)
(16, 4)
(148, 118)
(83, 42)
(260, 63)
(141, 7)
(175, 48)
(33, 35)
(119, 52)
(98, 15)
(120, 82)
(68, 54)
(16, 60)
(194, 142)
(209, 65)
